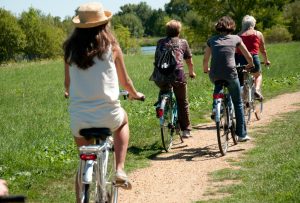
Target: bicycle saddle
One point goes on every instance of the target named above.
(97, 133)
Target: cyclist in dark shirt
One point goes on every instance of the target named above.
(221, 49)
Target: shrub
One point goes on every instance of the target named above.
(277, 34)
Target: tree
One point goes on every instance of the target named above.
(142, 10)
(177, 9)
(67, 25)
(196, 30)
(12, 38)
(44, 38)
(157, 23)
(267, 13)
(123, 36)
(292, 14)
(132, 22)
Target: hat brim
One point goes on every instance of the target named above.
(78, 24)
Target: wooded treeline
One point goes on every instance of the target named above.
(34, 35)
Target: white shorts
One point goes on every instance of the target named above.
(104, 118)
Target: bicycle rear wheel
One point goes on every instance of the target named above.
(166, 127)
(258, 108)
(222, 130)
(111, 191)
(90, 188)
(232, 131)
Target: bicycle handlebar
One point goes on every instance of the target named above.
(126, 95)
(242, 68)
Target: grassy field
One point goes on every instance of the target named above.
(269, 172)
(38, 157)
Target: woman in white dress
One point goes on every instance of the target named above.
(94, 67)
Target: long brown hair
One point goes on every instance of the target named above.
(86, 43)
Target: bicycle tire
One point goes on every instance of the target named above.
(176, 121)
(92, 192)
(222, 130)
(258, 109)
(112, 190)
(232, 131)
(88, 191)
(166, 128)
(111, 195)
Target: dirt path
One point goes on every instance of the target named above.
(182, 175)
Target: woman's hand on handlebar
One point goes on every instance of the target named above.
(192, 75)
(66, 94)
(139, 96)
(249, 66)
(206, 70)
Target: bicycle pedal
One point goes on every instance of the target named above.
(124, 185)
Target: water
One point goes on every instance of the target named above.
(148, 50)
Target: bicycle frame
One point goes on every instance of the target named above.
(94, 164)
(167, 99)
(249, 99)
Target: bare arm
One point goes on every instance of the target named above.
(67, 80)
(206, 57)
(190, 65)
(262, 48)
(123, 77)
(247, 55)
(3, 188)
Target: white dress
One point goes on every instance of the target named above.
(94, 96)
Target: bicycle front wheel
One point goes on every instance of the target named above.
(166, 128)
(223, 130)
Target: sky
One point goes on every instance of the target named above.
(63, 8)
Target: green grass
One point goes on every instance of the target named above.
(270, 171)
(38, 157)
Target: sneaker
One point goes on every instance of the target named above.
(122, 180)
(258, 95)
(186, 134)
(243, 139)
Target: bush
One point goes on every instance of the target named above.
(277, 34)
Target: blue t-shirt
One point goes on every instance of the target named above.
(222, 64)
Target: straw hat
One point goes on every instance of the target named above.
(91, 15)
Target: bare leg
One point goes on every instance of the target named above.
(258, 80)
(121, 139)
(80, 141)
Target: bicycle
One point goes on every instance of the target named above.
(224, 117)
(167, 112)
(97, 166)
(251, 102)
